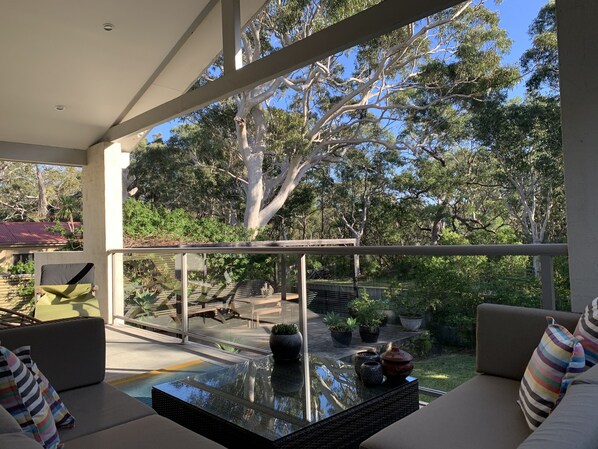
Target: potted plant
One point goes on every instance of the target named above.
(369, 315)
(411, 305)
(285, 342)
(341, 330)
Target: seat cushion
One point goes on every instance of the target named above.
(589, 377)
(144, 433)
(481, 413)
(18, 440)
(572, 424)
(7, 423)
(100, 407)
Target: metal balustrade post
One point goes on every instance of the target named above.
(547, 278)
(184, 300)
(303, 326)
(283, 276)
(303, 299)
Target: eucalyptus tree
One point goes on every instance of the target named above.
(540, 61)
(315, 115)
(460, 193)
(524, 137)
(18, 191)
(30, 192)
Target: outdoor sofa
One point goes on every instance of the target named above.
(71, 353)
(483, 412)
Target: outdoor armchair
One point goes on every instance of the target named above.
(66, 290)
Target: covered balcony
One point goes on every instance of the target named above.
(83, 83)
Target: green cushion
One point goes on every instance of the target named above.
(66, 301)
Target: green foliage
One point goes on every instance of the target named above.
(73, 236)
(456, 285)
(541, 60)
(410, 301)
(229, 347)
(368, 311)
(418, 346)
(25, 284)
(285, 329)
(144, 221)
(145, 300)
(27, 267)
(336, 323)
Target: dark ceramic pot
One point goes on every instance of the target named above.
(396, 362)
(286, 347)
(364, 356)
(341, 339)
(287, 378)
(371, 373)
(369, 334)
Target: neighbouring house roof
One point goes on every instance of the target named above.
(30, 233)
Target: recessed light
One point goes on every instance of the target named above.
(60, 107)
(108, 27)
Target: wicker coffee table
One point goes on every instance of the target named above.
(319, 404)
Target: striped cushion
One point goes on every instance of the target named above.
(557, 360)
(62, 417)
(587, 328)
(21, 397)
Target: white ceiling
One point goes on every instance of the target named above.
(57, 53)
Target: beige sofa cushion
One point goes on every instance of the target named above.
(481, 413)
(506, 337)
(7, 423)
(572, 424)
(100, 407)
(149, 432)
(18, 440)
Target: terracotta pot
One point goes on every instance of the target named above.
(396, 362)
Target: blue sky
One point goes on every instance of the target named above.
(515, 17)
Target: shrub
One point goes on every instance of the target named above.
(285, 329)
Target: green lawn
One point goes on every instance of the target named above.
(444, 372)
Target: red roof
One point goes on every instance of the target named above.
(30, 233)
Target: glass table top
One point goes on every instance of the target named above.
(274, 399)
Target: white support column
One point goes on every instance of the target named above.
(102, 222)
(231, 35)
(578, 67)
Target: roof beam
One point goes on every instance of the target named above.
(231, 35)
(373, 22)
(41, 154)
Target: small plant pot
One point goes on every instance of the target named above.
(411, 323)
(341, 339)
(369, 334)
(286, 348)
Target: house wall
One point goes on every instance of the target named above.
(9, 297)
(7, 254)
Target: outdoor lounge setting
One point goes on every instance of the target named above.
(366, 228)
